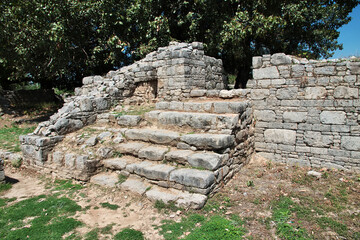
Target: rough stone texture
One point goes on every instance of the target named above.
(135, 185)
(281, 136)
(131, 147)
(153, 153)
(209, 141)
(210, 161)
(193, 177)
(129, 120)
(309, 114)
(179, 156)
(105, 179)
(153, 171)
(115, 163)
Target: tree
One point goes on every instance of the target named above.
(59, 42)
(237, 30)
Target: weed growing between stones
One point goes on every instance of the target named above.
(122, 178)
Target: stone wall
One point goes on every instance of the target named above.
(170, 73)
(307, 112)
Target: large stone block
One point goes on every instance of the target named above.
(354, 67)
(153, 171)
(266, 73)
(265, 115)
(346, 92)
(295, 117)
(327, 70)
(287, 93)
(209, 141)
(333, 117)
(280, 59)
(210, 161)
(153, 153)
(350, 143)
(193, 177)
(316, 139)
(315, 92)
(282, 136)
(129, 120)
(257, 94)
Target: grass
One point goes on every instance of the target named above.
(9, 137)
(161, 206)
(109, 206)
(197, 226)
(122, 178)
(60, 184)
(129, 234)
(41, 217)
(4, 187)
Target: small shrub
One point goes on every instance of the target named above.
(122, 178)
(16, 163)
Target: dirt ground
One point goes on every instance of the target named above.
(250, 195)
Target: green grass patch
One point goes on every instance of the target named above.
(122, 178)
(285, 226)
(109, 206)
(200, 227)
(60, 184)
(161, 206)
(41, 217)
(5, 201)
(9, 137)
(5, 187)
(129, 234)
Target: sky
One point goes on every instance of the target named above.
(350, 36)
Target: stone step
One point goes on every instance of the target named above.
(223, 123)
(137, 185)
(200, 181)
(218, 107)
(182, 141)
(204, 159)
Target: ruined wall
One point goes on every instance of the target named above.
(307, 112)
(169, 73)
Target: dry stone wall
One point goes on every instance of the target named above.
(170, 73)
(307, 112)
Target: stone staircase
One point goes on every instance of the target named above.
(180, 151)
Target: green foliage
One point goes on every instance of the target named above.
(9, 137)
(129, 234)
(41, 217)
(59, 42)
(60, 184)
(109, 206)
(5, 187)
(160, 205)
(4, 201)
(285, 228)
(122, 178)
(200, 227)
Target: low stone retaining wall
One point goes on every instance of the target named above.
(307, 112)
(2, 171)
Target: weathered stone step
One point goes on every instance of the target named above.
(203, 121)
(137, 185)
(203, 159)
(217, 107)
(197, 180)
(182, 141)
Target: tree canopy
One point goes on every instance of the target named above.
(56, 43)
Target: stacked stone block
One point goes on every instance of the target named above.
(307, 112)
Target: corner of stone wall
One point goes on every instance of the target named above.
(306, 112)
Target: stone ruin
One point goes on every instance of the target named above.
(198, 135)
(185, 149)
